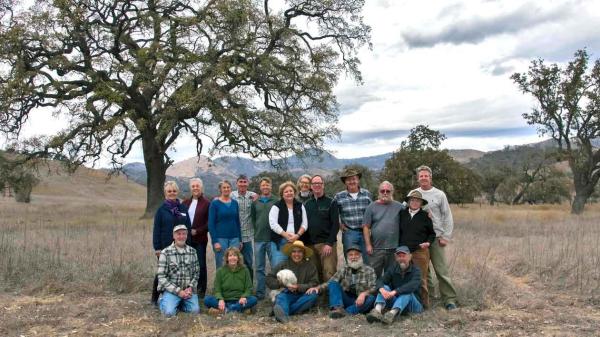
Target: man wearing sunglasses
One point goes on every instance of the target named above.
(381, 230)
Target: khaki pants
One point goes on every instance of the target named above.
(421, 259)
(326, 265)
(438, 261)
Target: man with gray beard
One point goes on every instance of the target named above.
(381, 228)
(351, 288)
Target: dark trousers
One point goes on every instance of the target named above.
(155, 292)
(201, 253)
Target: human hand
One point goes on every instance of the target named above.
(221, 305)
(313, 290)
(327, 250)
(243, 301)
(194, 232)
(443, 242)
(157, 253)
(217, 247)
(370, 249)
(360, 299)
(424, 245)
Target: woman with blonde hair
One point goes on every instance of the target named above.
(170, 214)
(287, 220)
(232, 286)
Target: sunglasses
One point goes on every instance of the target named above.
(385, 191)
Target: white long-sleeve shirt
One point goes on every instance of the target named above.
(274, 216)
(437, 204)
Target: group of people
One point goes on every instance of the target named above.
(388, 248)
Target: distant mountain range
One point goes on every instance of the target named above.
(229, 167)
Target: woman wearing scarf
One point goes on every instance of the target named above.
(170, 214)
(232, 287)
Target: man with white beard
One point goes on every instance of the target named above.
(351, 288)
(381, 228)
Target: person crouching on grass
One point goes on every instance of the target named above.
(352, 287)
(294, 299)
(398, 289)
(178, 273)
(232, 286)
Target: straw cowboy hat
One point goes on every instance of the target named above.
(350, 173)
(287, 248)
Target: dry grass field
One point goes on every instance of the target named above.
(77, 261)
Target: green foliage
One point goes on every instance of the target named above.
(19, 175)
(459, 183)
(277, 178)
(568, 110)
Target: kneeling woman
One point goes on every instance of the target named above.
(232, 287)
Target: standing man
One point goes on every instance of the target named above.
(443, 224)
(178, 273)
(323, 225)
(352, 204)
(263, 246)
(381, 228)
(245, 199)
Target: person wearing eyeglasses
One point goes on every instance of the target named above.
(170, 214)
(381, 228)
(305, 192)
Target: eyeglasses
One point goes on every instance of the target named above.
(171, 191)
(317, 184)
(385, 191)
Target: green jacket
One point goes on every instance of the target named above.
(232, 284)
(259, 215)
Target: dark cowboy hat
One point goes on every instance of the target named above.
(350, 173)
(417, 195)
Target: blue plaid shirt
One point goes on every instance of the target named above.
(352, 210)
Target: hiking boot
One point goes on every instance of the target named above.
(337, 313)
(214, 311)
(249, 312)
(374, 316)
(280, 315)
(389, 317)
(450, 306)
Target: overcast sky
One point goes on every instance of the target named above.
(447, 64)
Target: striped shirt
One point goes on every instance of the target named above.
(178, 269)
(245, 203)
(352, 210)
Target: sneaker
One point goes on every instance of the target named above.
(337, 313)
(280, 315)
(374, 316)
(214, 311)
(389, 317)
(450, 306)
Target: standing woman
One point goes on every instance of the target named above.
(287, 220)
(224, 223)
(170, 214)
(197, 206)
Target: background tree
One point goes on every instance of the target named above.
(568, 110)
(236, 76)
(422, 148)
(18, 174)
(277, 178)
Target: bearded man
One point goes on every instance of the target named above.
(351, 288)
(381, 228)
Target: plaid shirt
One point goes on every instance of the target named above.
(178, 269)
(351, 210)
(245, 202)
(365, 279)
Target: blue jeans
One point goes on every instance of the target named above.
(295, 303)
(225, 243)
(262, 250)
(401, 302)
(276, 255)
(338, 298)
(170, 302)
(352, 237)
(248, 255)
(231, 305)
(201, 253)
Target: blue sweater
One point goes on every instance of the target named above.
(164, 221)
(224, 220)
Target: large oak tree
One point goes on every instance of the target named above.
(237, 75)
(568, 110)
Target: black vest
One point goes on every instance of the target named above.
(282, 219)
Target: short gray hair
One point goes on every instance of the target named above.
(385, 182)
(197, 180)
(424, 168)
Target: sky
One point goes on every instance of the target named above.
(446, 64)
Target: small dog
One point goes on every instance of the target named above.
(287, 278)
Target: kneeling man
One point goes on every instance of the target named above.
(398, 289)
(178, 273)
(293, 299)
(352, 287)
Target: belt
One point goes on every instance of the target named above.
(355, 229)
